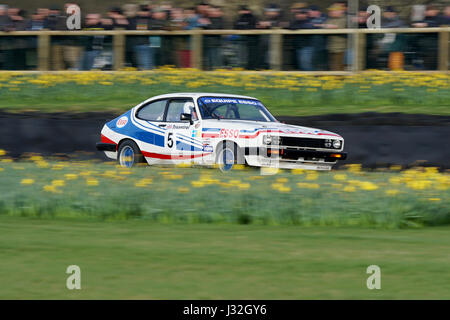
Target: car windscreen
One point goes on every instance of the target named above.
(233, 108)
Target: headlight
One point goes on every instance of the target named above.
(267, 139)
(337, 144)
(276, 139)
(271, 140)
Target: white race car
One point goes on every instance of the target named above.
(215, 129)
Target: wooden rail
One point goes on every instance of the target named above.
(275, 43)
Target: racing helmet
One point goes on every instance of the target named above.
(188, 107)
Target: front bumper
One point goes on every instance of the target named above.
(101, 146)
(296, 154)
(327, 156)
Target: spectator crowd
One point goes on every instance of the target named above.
(307, 52)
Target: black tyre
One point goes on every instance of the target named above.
(129, 154)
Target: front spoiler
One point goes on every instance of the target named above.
(294, 154)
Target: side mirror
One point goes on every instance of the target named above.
(186, 117)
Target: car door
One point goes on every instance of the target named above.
(149, 130)
(182, 137)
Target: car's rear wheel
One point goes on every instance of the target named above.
(228, 154)
(129, 154)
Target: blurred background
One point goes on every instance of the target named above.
(171, 232)
(257, 35)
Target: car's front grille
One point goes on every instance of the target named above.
(303, 142)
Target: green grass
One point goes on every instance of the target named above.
(143, 260)
(169, 195)
(283, 94)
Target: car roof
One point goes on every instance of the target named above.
(195, 95)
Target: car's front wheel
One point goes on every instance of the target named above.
(129, 154)
(227, 155)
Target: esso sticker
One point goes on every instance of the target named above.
(229, 133)
(122, 122)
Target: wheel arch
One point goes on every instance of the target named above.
(132, 140)
(241, 150)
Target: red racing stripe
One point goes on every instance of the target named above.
(210, 135)
(170, 156)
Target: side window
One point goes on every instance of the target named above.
(177, 107)
(154, 111)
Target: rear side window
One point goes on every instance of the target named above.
(154, 111)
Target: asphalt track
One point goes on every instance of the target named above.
(372, 139)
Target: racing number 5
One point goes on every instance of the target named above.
(170, 140)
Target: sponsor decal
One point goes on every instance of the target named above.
(196, 133)
(175, 126)
(232, 100)
(207, 148)
(229, 133)
(122, 122)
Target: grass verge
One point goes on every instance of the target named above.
(284, 94)
(102, 191)
(142, 260)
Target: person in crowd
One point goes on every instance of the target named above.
(213, 43)
(272, 18)
(191, 18)
(178, 44)
(318, 41)
(54, 20)
(93, 44)
(431, 18)
(391, 19)
(445, 18)
(37, 22)
(247, 45)
(72, 46)
(302, 43)
(118, 20)
(16, 47)
(18, 21)
(160, 45)
(426, 44)
(6, 23)
(392, 44)
(336, 43)
(246, 19)
(141, 54)
(202, 10)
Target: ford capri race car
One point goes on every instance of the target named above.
(215, 129)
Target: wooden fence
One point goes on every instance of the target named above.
(357, 36)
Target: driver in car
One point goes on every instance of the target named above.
(189, 108)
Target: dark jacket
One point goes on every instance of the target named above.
(245, 22)
(6, 24)
(432, 22)
(301, 40)
(216, 23)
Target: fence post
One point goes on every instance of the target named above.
(43, 51)
(443, 50)
(276, 51)
(118, 50)
(197, 50)
(359, 51)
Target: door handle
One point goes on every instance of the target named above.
(162, 125)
